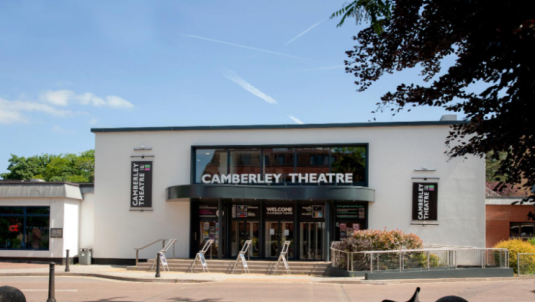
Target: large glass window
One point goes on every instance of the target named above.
(25, 228)
(245, 161)
(312, 160)
(307, 161)
(279, 161)
(210, 162)
(349, 160)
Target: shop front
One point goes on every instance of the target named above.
(308, 195)
(268, 224)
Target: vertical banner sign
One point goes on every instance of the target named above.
(141, 180)
(424, 201)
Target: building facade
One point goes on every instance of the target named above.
(307, 185)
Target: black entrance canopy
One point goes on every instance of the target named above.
(342, 193)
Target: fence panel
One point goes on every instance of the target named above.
(526, 264)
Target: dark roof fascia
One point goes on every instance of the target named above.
(271, 127)
(32, 183)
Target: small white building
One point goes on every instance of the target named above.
(307, 184)
(40, 220)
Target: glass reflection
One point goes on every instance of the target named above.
(210, 162)
(279, 161)
(349, 160)
(245, 161)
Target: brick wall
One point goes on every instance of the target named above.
(499, 217)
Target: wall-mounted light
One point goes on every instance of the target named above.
(142, 148)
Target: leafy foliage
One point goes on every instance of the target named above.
(493, 46)
(63, 167)
(516, 246)
(374, 11)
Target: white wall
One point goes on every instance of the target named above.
(71, 225)
(87, 220)
(394, 154)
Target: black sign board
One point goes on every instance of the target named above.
(246, 211)
(278, 212)
(350, 211)
(424, 201)
(141, 184)
(311, 212)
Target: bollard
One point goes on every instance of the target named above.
(67, 269)
(51, 285)
(157, 266)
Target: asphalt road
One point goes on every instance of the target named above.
(74, 289)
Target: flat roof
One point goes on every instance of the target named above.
(288, 126)
(44, 183)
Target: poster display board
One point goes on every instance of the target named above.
(350, 211)
(246, 211)
(141, 184)
(311, 212)
(424, 201)
(208, 211)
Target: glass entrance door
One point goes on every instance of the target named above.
(311, 240)
(276, 232)
(242, 231)
(209, 231)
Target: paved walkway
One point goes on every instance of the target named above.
(120, 273)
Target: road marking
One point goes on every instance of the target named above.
(45, 290)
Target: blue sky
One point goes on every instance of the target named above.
(68, 66)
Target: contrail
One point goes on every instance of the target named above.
(231, 75)
(304, 32)
(293, 118)
(248, 47)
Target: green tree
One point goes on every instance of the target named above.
(64, 167)
(491, 80)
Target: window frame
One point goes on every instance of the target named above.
(519, 225)
(364, 183)
(25, 215)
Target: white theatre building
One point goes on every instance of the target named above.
(307, 184)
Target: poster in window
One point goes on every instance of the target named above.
(141, 184)
(424, 201)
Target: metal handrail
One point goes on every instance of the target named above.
(452, 251)
(146, 246)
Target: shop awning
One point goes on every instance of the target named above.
(347, 193)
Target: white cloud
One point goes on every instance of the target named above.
(93, 121)
(59, 129)
(293, 118)
(117, 102)
(64, 97)
(304, 32)
(58, 97)
(9, 117)
(90, 99)
(231, 75)
(13, 111)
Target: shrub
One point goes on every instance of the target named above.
(376, 240)
(515, 246)
(532, 240)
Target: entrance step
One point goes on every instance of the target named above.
(255, 267)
